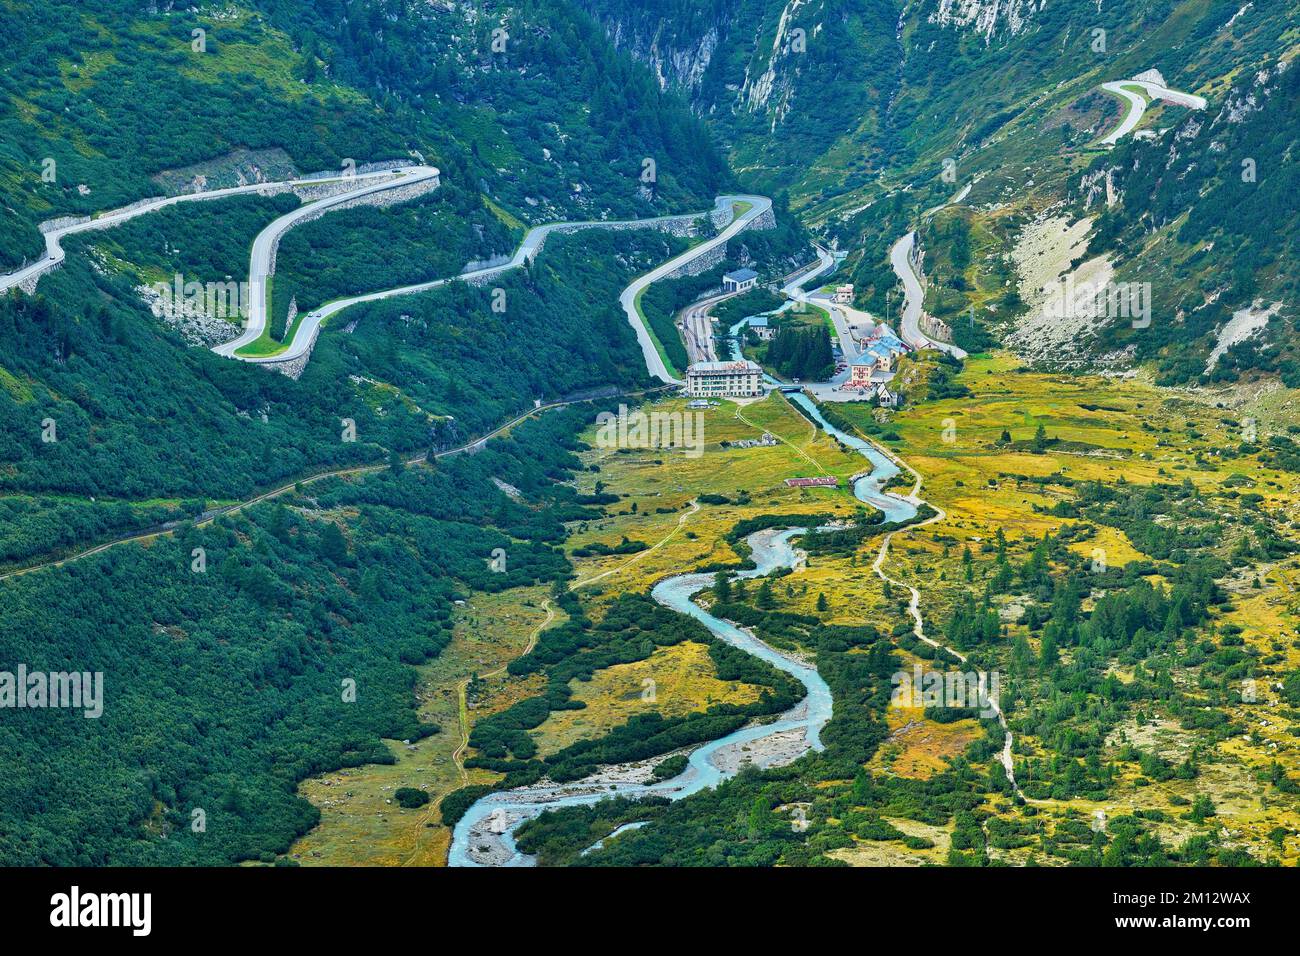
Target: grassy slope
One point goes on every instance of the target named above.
(360, 824)
(958, 479)
(1142, 434)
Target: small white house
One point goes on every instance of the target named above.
(843, 294)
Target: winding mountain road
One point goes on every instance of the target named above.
(1137, 104)
(795, 287)
(758, 206)
(909, 326)
(955, 200)
(304, 336)
(841, 315)
(261, 268)
(261, 264)
(54, 254)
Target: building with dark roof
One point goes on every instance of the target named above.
(739, 281)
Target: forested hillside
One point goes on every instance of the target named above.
(269, 569)
(96, 102)
(227, 681)
(150, 430)
(227, 647)
(140, 416)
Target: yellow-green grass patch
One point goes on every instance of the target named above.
(673, 681)
(360, 823)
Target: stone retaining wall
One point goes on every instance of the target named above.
(28, 285)
(702, 263)
(294, 367)
(766, 221)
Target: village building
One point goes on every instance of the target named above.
(860, 370)
(882, 356)
(871, 386)
(880, 352)
(821, 481)
(743, 379)
(843, 294)
(882, 336)
(739, 281)
(762, 328)
(876, 358)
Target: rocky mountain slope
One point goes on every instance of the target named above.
(869, 113)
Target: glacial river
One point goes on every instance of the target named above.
(485, 834)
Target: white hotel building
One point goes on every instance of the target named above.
(743, 379)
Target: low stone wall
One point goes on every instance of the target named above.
(50, 225)
(294, 367)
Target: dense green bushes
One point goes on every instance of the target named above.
(285, 654)
(367, 249)
(32, 526)
(451, 352)
(139, 416)
(631, 630)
